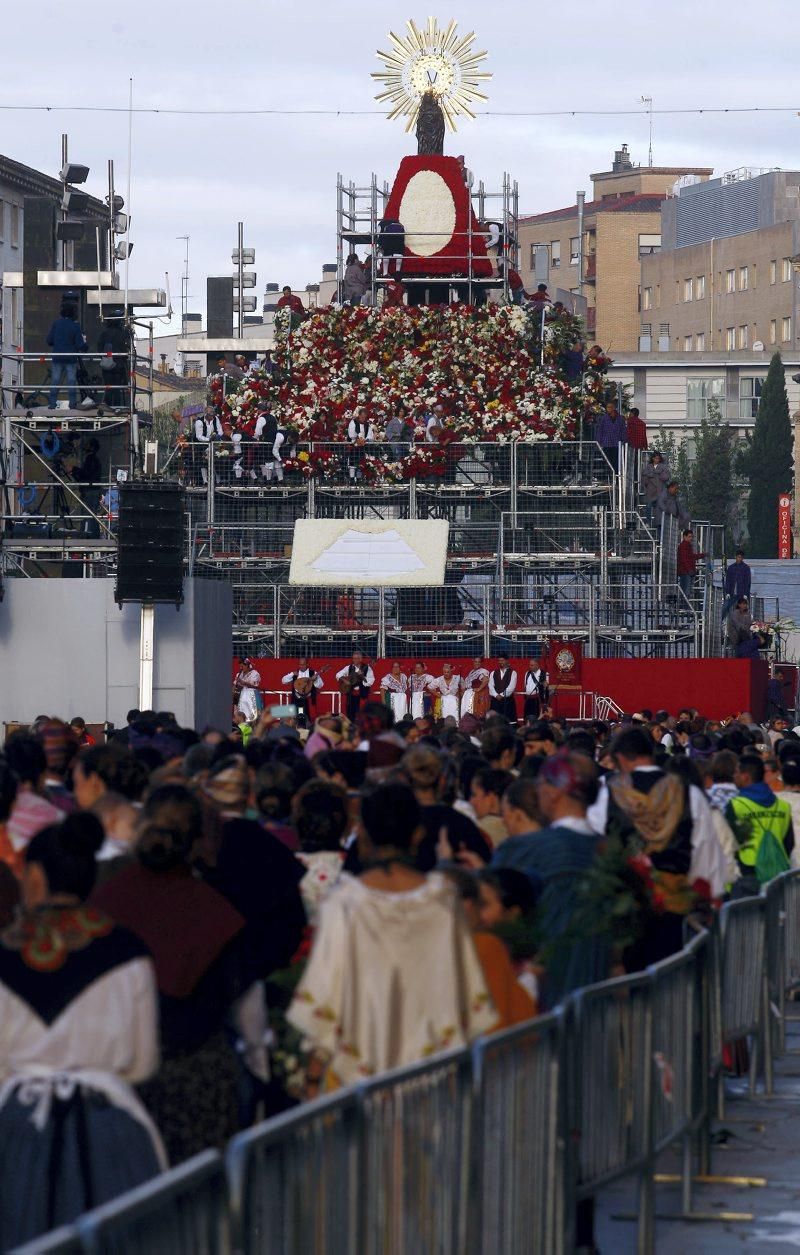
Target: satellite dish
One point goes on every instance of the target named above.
(758, 346)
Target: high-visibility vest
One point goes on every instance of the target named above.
(751, 821)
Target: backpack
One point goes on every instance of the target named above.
(771, 860)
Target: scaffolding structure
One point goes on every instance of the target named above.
(359, 210)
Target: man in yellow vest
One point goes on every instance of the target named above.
(762, 824)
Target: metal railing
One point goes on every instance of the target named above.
(488, 1149)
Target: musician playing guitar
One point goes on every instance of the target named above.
(305, 682)
(537, 691)
(355, 682)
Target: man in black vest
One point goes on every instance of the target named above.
(307, 691)
(502, 686)
(356, 680)
(536, 691)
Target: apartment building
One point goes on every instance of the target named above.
(726, 277)
(621, 226)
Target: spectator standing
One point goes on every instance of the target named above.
(762, 825)
(637, 431)
(66, 340)
(669, 503)
(354, 284)
(687, 563)
(738, 579)
(289, 300)
(400, 432)
(742, 641)
(75, 1036)
(610, 432)
(655, 477)
(393, 975)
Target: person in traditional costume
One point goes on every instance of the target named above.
(475, 696)
(247, 685)
(78, 1027)
(394, 687)
(393, 976)
(304, 692)
(355, 680)
(420, 683)
(536, 691)
(448, 686)
(502, 685)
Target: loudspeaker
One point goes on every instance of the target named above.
(150, 532)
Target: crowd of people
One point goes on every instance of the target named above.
(198, 932)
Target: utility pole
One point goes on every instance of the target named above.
(184, 283)
(648, 100)
(242, 279)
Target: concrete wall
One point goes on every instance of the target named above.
(67, 649)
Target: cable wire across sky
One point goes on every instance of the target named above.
(380, 113)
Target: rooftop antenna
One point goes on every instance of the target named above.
(184, 283)
(648, 101)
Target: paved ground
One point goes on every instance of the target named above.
(763, 1141)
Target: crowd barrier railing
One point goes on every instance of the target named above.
(491, 1149)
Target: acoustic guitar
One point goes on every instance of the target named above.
(348, 683)
(303, 686)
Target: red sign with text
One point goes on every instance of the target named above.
(784, 525)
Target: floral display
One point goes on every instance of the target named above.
(487, 367)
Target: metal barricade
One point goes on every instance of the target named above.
(293, 1181)
(609, 1094)
(742, 988)
(791, 931)
(519, 1140)
(774, 894)
(63, 1241)
(182, 1212)
(415, 1157)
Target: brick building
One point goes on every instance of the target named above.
(622, 224)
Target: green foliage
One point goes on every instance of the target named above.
(712, 489)
(766, 461)
(676, 456)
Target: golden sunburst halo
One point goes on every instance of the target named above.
(431, 60)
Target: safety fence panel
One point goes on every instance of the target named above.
(670, 539)
(553, 535)
(743, 952)
(774, 931)
(416, 1126)
(677, 1025)
(519, 1126)
(791, 935)
(564, 465)
(293, 1181)
(611, 1080)
(183, 1212)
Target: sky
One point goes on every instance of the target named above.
(199, 175)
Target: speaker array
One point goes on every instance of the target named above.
(151, 535)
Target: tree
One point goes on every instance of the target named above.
(676, 456)
(711, 492)
(767, 462)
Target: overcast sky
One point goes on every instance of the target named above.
(199, 175)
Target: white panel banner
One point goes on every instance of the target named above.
(369, 553)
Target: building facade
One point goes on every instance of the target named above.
(621, 225)
(726, 278)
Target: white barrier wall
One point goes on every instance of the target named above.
(67, 649)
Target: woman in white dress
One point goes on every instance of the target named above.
(248, 684)
(78, 1027)
(419, 685)
(449, 686)
(393, 976)
(475, 699)
(395, 685)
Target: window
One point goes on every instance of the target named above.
(688, 344)
(2, 219)
(786, 269)
(700, 344)
(744, 337)
(574, 250)
(688, 289)
(786, 330)
(658, 294)
(534, 247)
(649, 244)
(773, 331)
(744, 278)
(14, 229)
(730, 280)
(730, 338)
(749, 395)
(698, 394)
(700, 287)
(773, 271)
(555, 254)
(647, 298)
